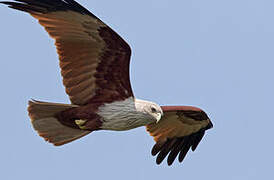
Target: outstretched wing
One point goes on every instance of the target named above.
(181, 128)
(94, 59)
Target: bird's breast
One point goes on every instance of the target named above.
(122, 124)
(122, 115)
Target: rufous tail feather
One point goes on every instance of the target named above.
(43, 119)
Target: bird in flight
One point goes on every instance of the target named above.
(94, 62)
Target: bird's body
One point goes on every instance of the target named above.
(94, 62)
(127, 114)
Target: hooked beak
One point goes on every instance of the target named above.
(159, 116)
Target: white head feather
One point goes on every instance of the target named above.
(149, 108)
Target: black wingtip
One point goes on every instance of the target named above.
(174, 151)
(155, 149)
(24, 7)
(199, 135)
(178, 147)
(165, 150)
(197, 139)
(45, 6)
(209, 126)
(6, 3)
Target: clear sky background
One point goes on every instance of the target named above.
(217, 55)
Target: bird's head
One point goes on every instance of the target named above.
(150, 109)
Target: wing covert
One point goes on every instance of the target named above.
(94, 59)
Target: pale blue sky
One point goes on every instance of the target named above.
(217, 55)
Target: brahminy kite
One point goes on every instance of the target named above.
(94, 62)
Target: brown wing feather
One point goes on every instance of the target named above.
(181, 128)
(94, 60)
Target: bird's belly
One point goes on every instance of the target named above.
(123, 124)
(122, 115)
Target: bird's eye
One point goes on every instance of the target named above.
(153, 109)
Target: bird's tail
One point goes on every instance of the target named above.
(43, 119)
